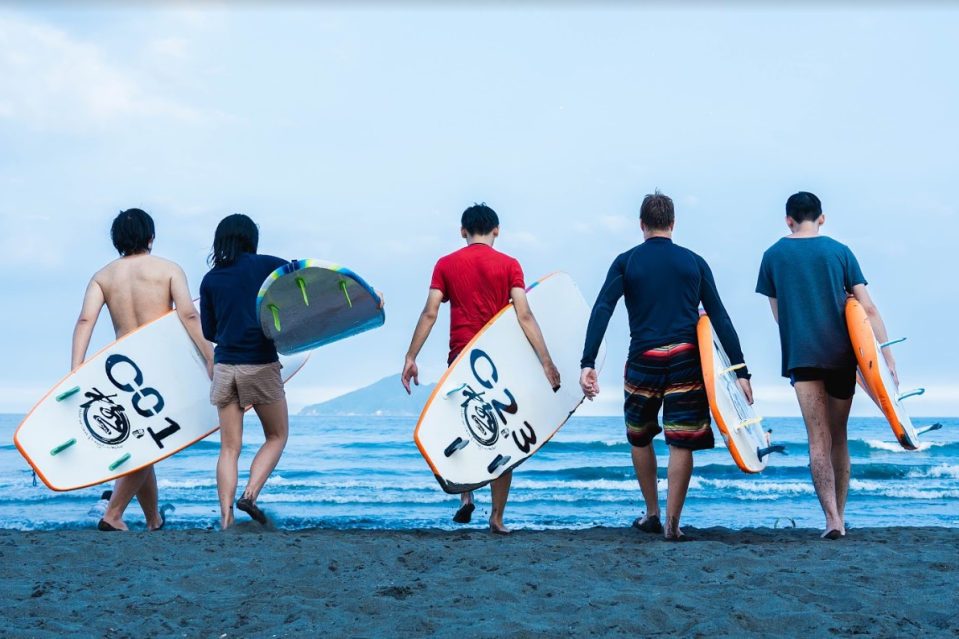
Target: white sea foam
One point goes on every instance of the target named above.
(943, 471)
(894, 447)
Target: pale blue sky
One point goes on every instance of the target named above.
(359, 136)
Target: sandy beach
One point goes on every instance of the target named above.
(601, 581)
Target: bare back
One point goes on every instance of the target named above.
(137, 289)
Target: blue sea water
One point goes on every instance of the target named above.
(366, 472)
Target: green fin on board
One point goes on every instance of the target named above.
(276, 316)
(302, 284)
(73, 391)
(120, 462)
(62, 447)
(345, 292)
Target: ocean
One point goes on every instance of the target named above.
(365, 472)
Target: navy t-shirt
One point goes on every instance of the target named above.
(811, 278)
(663, 285)
(228, 310)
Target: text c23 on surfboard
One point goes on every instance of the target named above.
(480, 415)
(106, 420)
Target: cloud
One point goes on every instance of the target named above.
(617, 223)
(52, 81)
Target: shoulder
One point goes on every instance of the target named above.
(776, 248)
(694, 256)
(162, 265)
(836, 245)
(268, 260)
(506, 259)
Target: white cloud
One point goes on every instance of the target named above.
(618, 223)
(54, 81)
(169, 49)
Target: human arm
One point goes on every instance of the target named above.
(878, 327)
(713, 305)
(533, 333)
(186, 311)
(613, 289)
(774, 307)
(93, 301)
(423, 327)
(381, 300)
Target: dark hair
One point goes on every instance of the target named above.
(132, 232)
(657, 212)
(804, 207)
(479, 219)
(235, 234)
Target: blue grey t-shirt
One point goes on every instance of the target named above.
(810, 279)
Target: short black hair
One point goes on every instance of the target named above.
(235, 234)
(804, 207)
(132, 232)
(657, 212)
(479, 219)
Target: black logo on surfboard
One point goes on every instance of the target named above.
(107, 420)
(104, 419)
(485, 418)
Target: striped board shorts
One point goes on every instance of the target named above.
(669, 377)
(246, 384)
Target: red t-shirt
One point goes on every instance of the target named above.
(476, 281)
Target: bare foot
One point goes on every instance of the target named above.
(155, 522)
(499, 529)
(112, 524)
(671, 531)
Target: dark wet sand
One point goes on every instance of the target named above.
(891, 582)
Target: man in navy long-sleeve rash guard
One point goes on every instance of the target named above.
(664, 285)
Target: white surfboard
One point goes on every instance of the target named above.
(141, 399)
(494, 406)
(738, 423)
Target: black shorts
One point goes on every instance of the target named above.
(840, 382)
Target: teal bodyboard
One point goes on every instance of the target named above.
(309, 303)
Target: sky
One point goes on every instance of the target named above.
(359, 134)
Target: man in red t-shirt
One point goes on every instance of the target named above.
(478, 282)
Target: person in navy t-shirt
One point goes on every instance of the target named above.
(808, 277)
(247, 368)
(478, 282)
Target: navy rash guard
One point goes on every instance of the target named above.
(228, 310)
(663, 285)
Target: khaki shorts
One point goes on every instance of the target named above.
(246, 384)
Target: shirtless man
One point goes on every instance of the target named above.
(136, 288)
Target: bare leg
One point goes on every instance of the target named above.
(123, 492)
(231, 442)
(644, 463)
(276, 427)
(466, 498)
(499, 488)
(813, 402)
(680, 472)
(838, 419)
(148, 498)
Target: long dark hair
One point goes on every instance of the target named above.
(235, 234)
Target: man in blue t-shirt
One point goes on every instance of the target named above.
(807, 278)
(664, 285)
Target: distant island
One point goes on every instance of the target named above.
(385, 397)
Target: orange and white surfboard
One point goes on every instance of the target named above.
(741, 428)
(141, 399)
(494, 406)
(877, 380)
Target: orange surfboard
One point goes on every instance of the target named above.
(876, 378)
